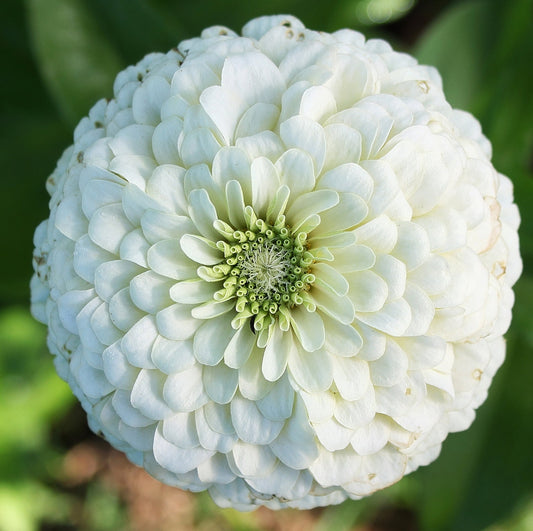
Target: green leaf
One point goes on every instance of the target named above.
(457, 44)
(137, 28)
(75, 58)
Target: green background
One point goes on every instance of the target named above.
(58, 58)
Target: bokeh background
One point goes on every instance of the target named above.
(57, 58)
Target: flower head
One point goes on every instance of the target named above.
(277, 266)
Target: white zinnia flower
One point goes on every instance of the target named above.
(278, 266)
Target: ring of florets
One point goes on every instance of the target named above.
(265, 269)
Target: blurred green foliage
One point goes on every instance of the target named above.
(60, 56)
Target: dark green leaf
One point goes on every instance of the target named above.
(457, 45)
(76, 60)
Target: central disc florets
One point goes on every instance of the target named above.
(265, 269)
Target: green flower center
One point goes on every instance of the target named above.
(265, 269)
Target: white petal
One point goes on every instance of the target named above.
(158, 226)
(276, 354)
(180, 429)
(319, 406)
(218, 418)
(117, 368)
(122, 311)
(253, 460)
(148, 99)
(108, 226)
(137, 342)
(341, 340)
(330, 278)
(70, 304)
(166, 186)
(134, 248)
(254, 77)
(317, 103)
(433, 276)
(191, 79)
(92, 381)
(103, 327)
(371, 438)
(165, 140)
(69, 219)
(390, 368)
(232, 164)
(277, 404)
(350, 178)
(203, 213)
(133, 139)
(191, 291)
(424, 352)
(200, 249)
(211, 439)
(83, 322)
(339, 308)
(311, 203)
(258, 27)
(266, 144)
(393, 318)
(136, 169)
(239, 348)
(354, 258)
(150, 292)
(393, 272)
(87, 257)
(220, 382)
(304, 133)
(412, 246)
(265, 182)
(281, 482)
(178, 460)
(250, 424)
(166, 258)
(295, 169)
(332, 435)
(422, 310)
(357, 413)
(313, 371)
(348, 213)
(112, 276)
(135, 203)
(380, 234)
(212, 338)
(184, 391)
(356, 72)
(374, 472)
(147, 395)
(351, 376)
(259, 117)
(98, 193)
(212, 309)
(236, 204)
(343, 145)
(198, 146)
(296, 446)
(308, 328)
(215, 470)
(445, 228)
(130, 415)
(252, 383)
(176, 322)
(374, 343)
(172, 356)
